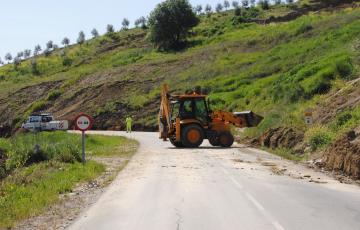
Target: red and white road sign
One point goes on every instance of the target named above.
(83, 122)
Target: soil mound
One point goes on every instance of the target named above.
(281, 137)
(344, 154)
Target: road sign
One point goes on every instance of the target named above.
(83, 122)
(308, 117)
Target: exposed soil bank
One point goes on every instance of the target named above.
(344, 154)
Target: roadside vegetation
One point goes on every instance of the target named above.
(267, 57)
(40, 167)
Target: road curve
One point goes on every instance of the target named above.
(213, 188)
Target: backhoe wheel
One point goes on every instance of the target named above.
(214, 141)
(175, 143)
(192, 136)
(226, 139)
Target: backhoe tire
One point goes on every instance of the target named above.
(192, 136)
(214, 141)
(176, 144)
(226, 139)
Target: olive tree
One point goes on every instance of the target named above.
(170, 23)
(219, 8)
(140, 22)
(27, 53)
(125, 24)
(208, 9)
(110, 29)
(65, 41)
(252, 3)
(17, 62)
(49, 45)
(20, 55)
(94, 33)
(81, 38)
(245, 3)
(1, 62)
(226, 4)
(8, 57)
(235, 4)
(37, 50)
(198, 9)
(264, 4)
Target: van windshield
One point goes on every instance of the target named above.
(34, 119)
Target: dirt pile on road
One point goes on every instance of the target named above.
(283, 137)
(344, 154)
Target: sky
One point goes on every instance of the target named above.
(26, 23)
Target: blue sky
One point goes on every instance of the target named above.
(26, 23)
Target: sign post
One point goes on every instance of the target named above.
(308, 117)
(83, 122)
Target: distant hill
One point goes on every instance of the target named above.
(277, 62)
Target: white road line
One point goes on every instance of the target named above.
(232, 178)
(278, 226)
(236, 182)
(255, 202)
(261, 208)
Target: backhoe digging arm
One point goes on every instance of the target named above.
(165, 124)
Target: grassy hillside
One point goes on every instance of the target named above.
(276, 69)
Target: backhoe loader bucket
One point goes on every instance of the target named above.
(251, 119)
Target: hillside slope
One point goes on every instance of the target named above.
(278, 70)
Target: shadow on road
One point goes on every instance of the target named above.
(210, 147)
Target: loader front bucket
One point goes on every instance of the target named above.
(251, 119)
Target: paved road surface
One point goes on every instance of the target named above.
(213, 188)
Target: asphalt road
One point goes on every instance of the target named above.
(213, 188)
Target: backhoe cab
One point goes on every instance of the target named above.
(186, 120)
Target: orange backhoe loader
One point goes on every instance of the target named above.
(186, 120)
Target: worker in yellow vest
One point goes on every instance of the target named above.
(128, 124)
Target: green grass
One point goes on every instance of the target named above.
(31, 190)
(318, 136)
(33, 184)
(98, 145)
(26, 149)
(277, 70)
(287, 154)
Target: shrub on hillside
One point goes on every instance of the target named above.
(170, 23)
(237, 11)
(345, 68)
(320, 83)
(318, 136)
(343, 119)
(53, 95)
(66, 61)
(303, 28)
(34, 67)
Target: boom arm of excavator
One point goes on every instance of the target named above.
(238, 119)
(165, 125)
